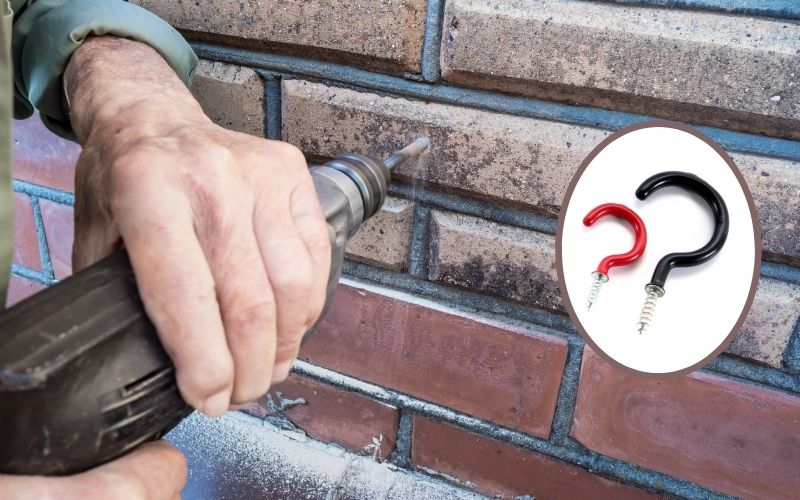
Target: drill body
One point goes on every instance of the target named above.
(83, 375)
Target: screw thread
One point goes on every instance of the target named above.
(649, 307)
(594, 291)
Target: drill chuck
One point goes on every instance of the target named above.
(83, 375)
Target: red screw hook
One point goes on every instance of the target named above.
(640, 232)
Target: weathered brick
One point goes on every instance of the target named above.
(727, 435)
(501, 470)
(331, 415)
(510, 159)
(519, 161)
(770, 323)
(20, 289)
(775, 185)
(384, 35)
(26, 242)
(730, 71)
(59, 229)
(385, 239)
(232, 96)
(43, 158)
(512, 375)
(502, 260)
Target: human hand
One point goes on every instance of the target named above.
(224, 230)
(154, 471)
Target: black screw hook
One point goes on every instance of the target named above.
(655, 288)
(718, 208)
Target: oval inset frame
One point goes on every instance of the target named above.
(756, 240)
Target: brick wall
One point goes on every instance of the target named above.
(448, 341)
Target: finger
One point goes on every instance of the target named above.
(244, 294)
(177, 290)
(313, 229)
(289, 269)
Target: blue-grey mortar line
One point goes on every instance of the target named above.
(791, 356)
(346, 76)
(41, 237)
(533, 319)
(272, 107)
(432, 41)
(420, 242)
(465, 301)
(32, 275)
(567, 395)
(44, 192)
(782, 9)
(582, 457)
(486, 210)
(780, 271)
(401, 456)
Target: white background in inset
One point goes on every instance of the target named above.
(702, 303)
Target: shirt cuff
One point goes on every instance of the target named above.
(46, 34)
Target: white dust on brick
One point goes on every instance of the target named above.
(238, 456)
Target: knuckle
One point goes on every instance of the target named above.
(244, 393)
(206, 378)
(293, 282)
(247, 316)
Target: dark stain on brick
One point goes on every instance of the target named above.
(500, 278)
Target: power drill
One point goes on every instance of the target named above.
(83, 375)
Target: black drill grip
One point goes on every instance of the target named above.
(83, 375)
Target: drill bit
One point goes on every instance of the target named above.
(420, 146)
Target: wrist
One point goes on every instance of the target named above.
(122, 91)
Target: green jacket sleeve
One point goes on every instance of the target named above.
(47, 32)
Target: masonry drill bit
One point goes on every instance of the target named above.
(419, 147)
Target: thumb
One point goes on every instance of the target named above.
(153, 471)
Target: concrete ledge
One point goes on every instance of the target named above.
(237, 456)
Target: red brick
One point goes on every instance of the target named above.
(501, 470)
(333, 415)
(26, 243)
(512, 375)
(730, 436)
(20, 289)
(43, 158)
(59, 228)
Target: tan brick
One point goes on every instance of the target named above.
(516, 263)
(385, 34)
(775, 185)
(770, 323)
(510, 159)
(232, 96)
(385, 239)
(731, 71)
(517, 160)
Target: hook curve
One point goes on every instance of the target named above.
(715, 202)
(639, 229)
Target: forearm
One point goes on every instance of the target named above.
(120, 91)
